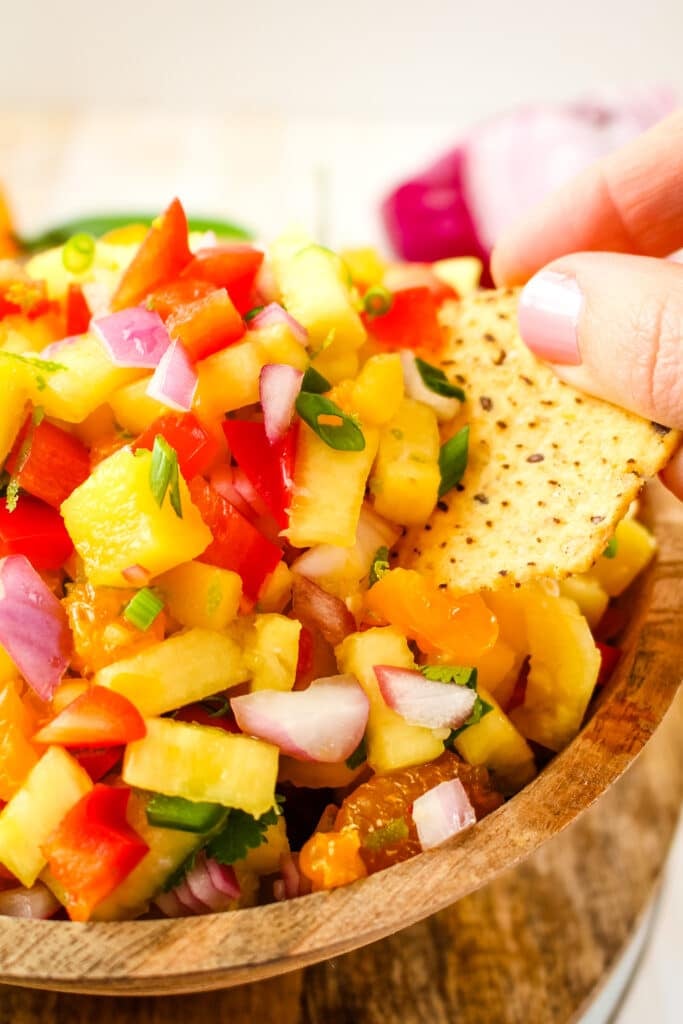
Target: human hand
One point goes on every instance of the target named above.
(611, 323)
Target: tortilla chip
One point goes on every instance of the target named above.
(551, 471)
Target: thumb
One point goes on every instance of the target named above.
(612, 325)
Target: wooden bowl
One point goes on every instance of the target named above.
(220, 950)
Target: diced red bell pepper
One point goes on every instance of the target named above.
(206, 325)
(36, 530)
(268, 467)
(93, 849)
(305, 660)
(233, 267)
(77, 311)
(196, 448)
(169, 297)
(26, 297)
(518, 695)
(163, 253)
(98, 763)
(412, 321)
(609, 658)
(55, 464)
(100, 717)
(237, 544)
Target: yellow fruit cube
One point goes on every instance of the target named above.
(392, 742)
(276, 592)
(270, 649)
(498, 670)
(108, 263)
(85, 379)
(337, 364)
(406, 477)
(495, 743)
(8, 670)
(591, 598)
(199, 763)
(52, 788)
(201, 595)
(328, 490)
(265, 858)
(184, 668)
(14, 389)
(133, 408)
(463, 273)
(635, 549)
(378, 390)
(115, 522)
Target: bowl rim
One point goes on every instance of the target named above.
(220, 950)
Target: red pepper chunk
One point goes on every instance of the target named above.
(163, 253)
(268, 467)
(237, 544)
(233, 267)
(196, 448)
(206, 325)
(98, 763)
(93, 849)
(412, 321)
(35, 530)
(24, 296)
(77, 311)
(100, 717)
(169, 297)
(55, 464)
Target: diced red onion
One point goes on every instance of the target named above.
(291, 876)
(460, 205)
(223, 480)
(213, 885)
(37, 902)
(279, 892)
(174, 382)
(137, 575)
(324, 722)
(328, 560)
(273, 315)
(444, 407)
(224, 879)
(169, 904)
(320, 611)
(135, 337)
(279, 387)
(423, 701)
(34, 629)
(189, 900)
(441, 813)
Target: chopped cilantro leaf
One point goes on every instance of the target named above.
(241, 833)
(380, 565)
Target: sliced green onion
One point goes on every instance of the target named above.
(78, 253)
(358, 757)
(143, 608)
(393, 832)
(314, 383)
(183, 815)
(377, 301)
(164, 474)
(380, 565)
(343, 434)
(437, 381)
(250, 314)
(453, 460)
(611, 549)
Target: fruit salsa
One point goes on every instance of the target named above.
(219, 682)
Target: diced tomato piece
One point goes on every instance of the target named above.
(412, 321)
(201, 715)
(77, 311)
(98, 763)
(207, 325)
(233, 267)
(93, 849)
(163, 253)
(100, 717)
(268, 467)
(169, 297)
(196, 448)
(609, 658)
(237, 544)
(54, 465)
(26, 297)
(36, 530)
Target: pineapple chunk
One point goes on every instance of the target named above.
(14, 388)
(201, 595)
(378, 390)
(52, 788)
(184, 668)
(115, 522)
(276, 592)
(87, 380)
(392, 742)
(328, 490)
(270, 648)
(199, 762)
(366, 266)
(108, 263)
(563, 671)
(265, 858)
(8, 670)
(337, 364)
(406, 476)
(591, 598)
(462, 273)
(496, 743)
(635, 549)
(498, 669)
(133, 408)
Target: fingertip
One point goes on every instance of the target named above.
(672, 475)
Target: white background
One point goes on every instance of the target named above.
(306, 110)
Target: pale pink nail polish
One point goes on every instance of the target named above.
(549, 310)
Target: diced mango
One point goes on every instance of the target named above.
(199, 762)
(462, 273)
(406, 477)
(366, 266)
(133, 408)
(635, 549)
(98, 424)
(115, 522)
(202, 595)
(110, 259)
(270, 649)
(17, 725)
(276, 592)
(391, 741)
(14, 389)
(184, 668)
(53, 787)
(337, 364)
(378, 390)
(328, 490)
(498, 669)
(265, 858)
(497, 744)
(591, 598)
(8, 670)
(86, 378)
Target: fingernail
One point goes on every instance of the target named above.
(548, 315)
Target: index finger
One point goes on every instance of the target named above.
(631, 201)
